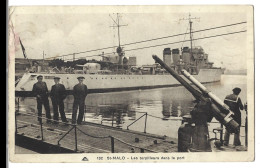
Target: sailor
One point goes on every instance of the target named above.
(201, 114)
(40, 90)
(235, 105)
(79, 92)
(57, 95)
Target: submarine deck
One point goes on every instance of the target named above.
(91, 137)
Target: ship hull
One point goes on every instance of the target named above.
(111, 83)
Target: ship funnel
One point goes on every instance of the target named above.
(186, 57)
(167, 56)
(175, 56)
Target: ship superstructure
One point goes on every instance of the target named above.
(183, 59)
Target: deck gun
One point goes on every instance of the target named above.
(218, 109)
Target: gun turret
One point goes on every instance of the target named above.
(219, 110)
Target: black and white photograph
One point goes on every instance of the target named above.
(131, 83)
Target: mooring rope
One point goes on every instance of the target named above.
(93, 135)
(134, 145)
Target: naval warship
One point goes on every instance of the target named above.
(122, 73)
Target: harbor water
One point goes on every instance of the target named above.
(164, 106)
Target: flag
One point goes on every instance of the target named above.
(24, 54)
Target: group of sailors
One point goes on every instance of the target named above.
(80, 91)
(57, 95)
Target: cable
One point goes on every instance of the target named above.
(179, 42)
(103, 137)
(186, 40)
(212, 28)
(164, 118)
(134, 145)
(184, 33)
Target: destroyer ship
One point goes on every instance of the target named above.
(120, 73)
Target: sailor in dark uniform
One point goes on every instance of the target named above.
(79, 92)
(40, 90)
(235, 105)
(57, 95)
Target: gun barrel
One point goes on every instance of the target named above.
(223, 114)
(195, 92)
(203, 89)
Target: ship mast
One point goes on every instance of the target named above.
(117, 25)
(118, 30)
(190, 23)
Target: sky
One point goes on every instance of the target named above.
(59, 33)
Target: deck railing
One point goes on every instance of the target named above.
(75, 128)
(144, 115)
(112, 138)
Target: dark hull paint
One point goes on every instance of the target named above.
(39, 146)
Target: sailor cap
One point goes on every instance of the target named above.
(40, 76)
(81, 77)
(236, 89)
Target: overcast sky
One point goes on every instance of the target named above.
(58, 34)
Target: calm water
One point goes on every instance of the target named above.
(166, 105)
